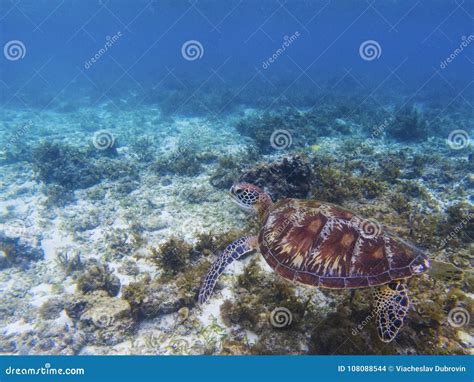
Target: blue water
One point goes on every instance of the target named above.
(237, 37)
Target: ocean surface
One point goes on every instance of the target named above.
(123, 125)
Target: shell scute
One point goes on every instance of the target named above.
(320, 244)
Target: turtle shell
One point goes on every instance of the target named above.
(320, 244)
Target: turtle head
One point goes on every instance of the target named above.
(250, 197)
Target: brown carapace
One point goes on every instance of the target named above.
(322, 245)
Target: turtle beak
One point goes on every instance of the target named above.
(233, 195)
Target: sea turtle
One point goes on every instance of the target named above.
(323, 245)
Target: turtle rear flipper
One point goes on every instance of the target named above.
(391, 307)
(235, 250)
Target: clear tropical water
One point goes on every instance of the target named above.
(124, 123)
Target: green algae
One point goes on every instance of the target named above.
(69, 262)
(98, 276)
(338, 185)
(172, 256)
(182, 161)
(409, 124)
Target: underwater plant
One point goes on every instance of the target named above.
(172, 256)
(150, 298)
(408, 124)
(288, 177)
(338, 184)
(261, 128)
(104, 320)
(182, 161)
(142, 147)
(230, 166)
(97, 276)
(64, 165)
(14, 251)
(69, 263)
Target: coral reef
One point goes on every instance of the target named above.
(258, 294)
(229, 168)
(409, 124)
(16, 252)
(103, 319)
(64, 165)
(118, 241)
(65, 168)
(151, 298)
(182, 161)
(290, 177)
(337, 185)
(299, 126)
(46, 338)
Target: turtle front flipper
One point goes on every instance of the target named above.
(391, 307)
(233, 251)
